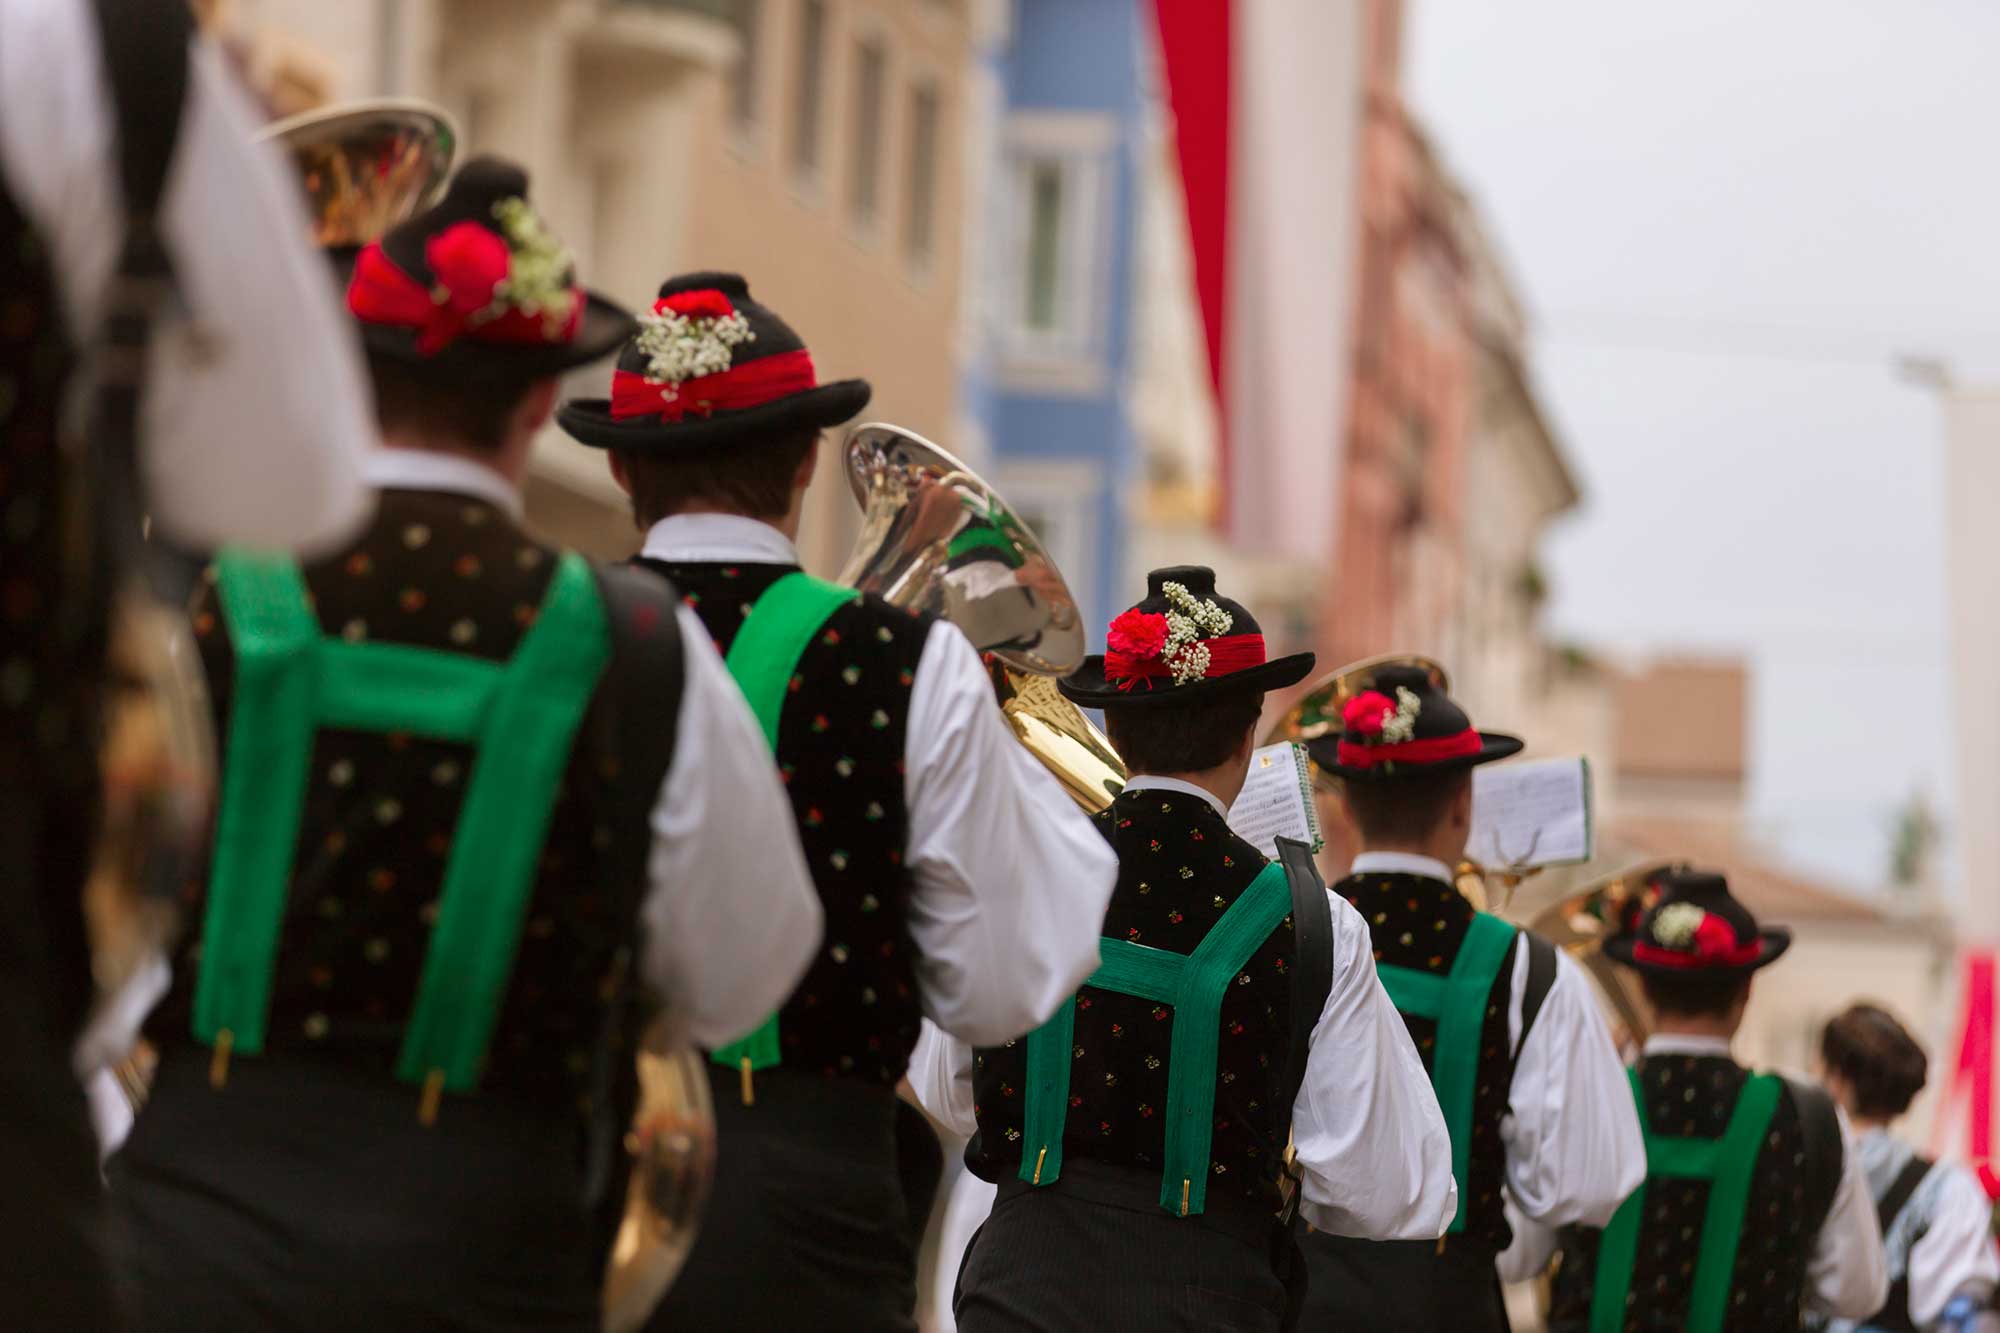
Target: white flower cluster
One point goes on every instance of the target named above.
(678, 348)
(538, 272)
(1402, 724)
(1190, 619)
(1676, 924)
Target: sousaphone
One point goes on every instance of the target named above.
(1582, 922)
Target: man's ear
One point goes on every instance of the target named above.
(807, 466)
(1461, 805)
(538, 405)
(619, 472)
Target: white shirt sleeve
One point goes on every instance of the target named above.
(731, 917)
(1848, 1275)
(1955, 1249)
(1574, 1147)
(1010, 881)
(255, 431)
(941, 1079)
(1372, 1144)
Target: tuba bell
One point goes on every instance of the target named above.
(936, 538)
(1582, 922)
(366, 166)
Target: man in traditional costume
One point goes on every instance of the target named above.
(959, 882)
(1507, 1026)
(1755, 1208)
(1937, 1223)
(481, 802)
(1138, 1138)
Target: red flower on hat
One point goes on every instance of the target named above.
(1714, 938)
(469, 262)
(1366, 712)
(1136, 633)
(705, 303)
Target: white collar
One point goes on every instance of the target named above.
(391, 469)
(1399, 863)
(1685, 1043)
(1148, 782)
(686, 539)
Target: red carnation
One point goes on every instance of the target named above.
(1366, 712)
(1139, 634)
(1714, 938)
(469, 262)
(707, 303)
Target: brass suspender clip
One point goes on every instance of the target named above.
(1185, 1185)
(218, 1060)
(1040, 1157)
(749, 1090)
(427, 1109)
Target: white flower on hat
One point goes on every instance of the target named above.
(1188, 617)
(698, 338)
(1677, 923)
(1401, 725)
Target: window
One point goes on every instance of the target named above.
(1045, 245)
(1055, 273)
(920, 197)
(811, 85)
(871, 70)
(743, 80)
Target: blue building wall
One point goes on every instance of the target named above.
(1081, 60)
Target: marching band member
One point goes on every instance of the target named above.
(474, 793)
(1756, 1206)
(1937, 1223)
(1508, 1026)
(959, 881)
(1138, 1138)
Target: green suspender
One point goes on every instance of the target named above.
(1193, 984)
(292, 681)
(1457, 1001)
(1727, 1164)
(762, 658)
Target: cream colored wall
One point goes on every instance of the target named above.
(859, 306)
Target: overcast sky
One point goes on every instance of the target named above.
(1727, 219)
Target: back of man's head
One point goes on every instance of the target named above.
(466, 408)
(1405, 812)
(1703, 998)
(754, 477)
(1197, 736)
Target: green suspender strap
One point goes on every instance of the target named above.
(291, 681)
(1727, 1164)
(1193, 984)
(1457, 1001)
(762, 659)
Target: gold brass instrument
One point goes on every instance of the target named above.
(936, 538)
(367, 166)
(1582, 922)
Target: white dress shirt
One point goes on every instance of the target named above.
(1846, 1274)
(255, 436)
(1008, 880)
(1572, 1139)
(1371, 1143)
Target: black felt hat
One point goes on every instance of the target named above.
(477, 283)
(711, 365)
(1405, 726)
(1697, 928)
(1182, 642)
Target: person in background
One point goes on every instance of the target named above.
(1937, 1223)
(251, 338)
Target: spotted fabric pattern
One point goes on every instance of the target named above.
(1419, 923)
(840, 752)
(1179, 869)
(1692, 1096)
(447, 572)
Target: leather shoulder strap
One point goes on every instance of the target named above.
(1541, 977)
(145, 46)
(1891, 1205)
(1312, 949)
(1824, 1156)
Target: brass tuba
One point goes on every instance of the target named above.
(1582, 922)
(936, 538)
(366, 166)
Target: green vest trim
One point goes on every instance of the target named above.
(1194, 985)
(291, 682)
(762, 658)
(1727, 1164)
(1457, 1002)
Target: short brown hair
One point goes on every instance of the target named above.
(1877, 1057)
(1403, 809)
(466, 405)
(1695, 995)
(752, 477)
(1190, 737)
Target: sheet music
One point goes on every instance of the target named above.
(1531, 814)
(1276, 800)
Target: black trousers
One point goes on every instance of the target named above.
(305, 1196)
(811, 1224)
(1051, 1260)
(1401, 1286)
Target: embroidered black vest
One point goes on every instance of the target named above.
(1179, 869)
(1419, 923)
(49, 690)
(453, 573)
(1691, 1096)
(840, 752)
